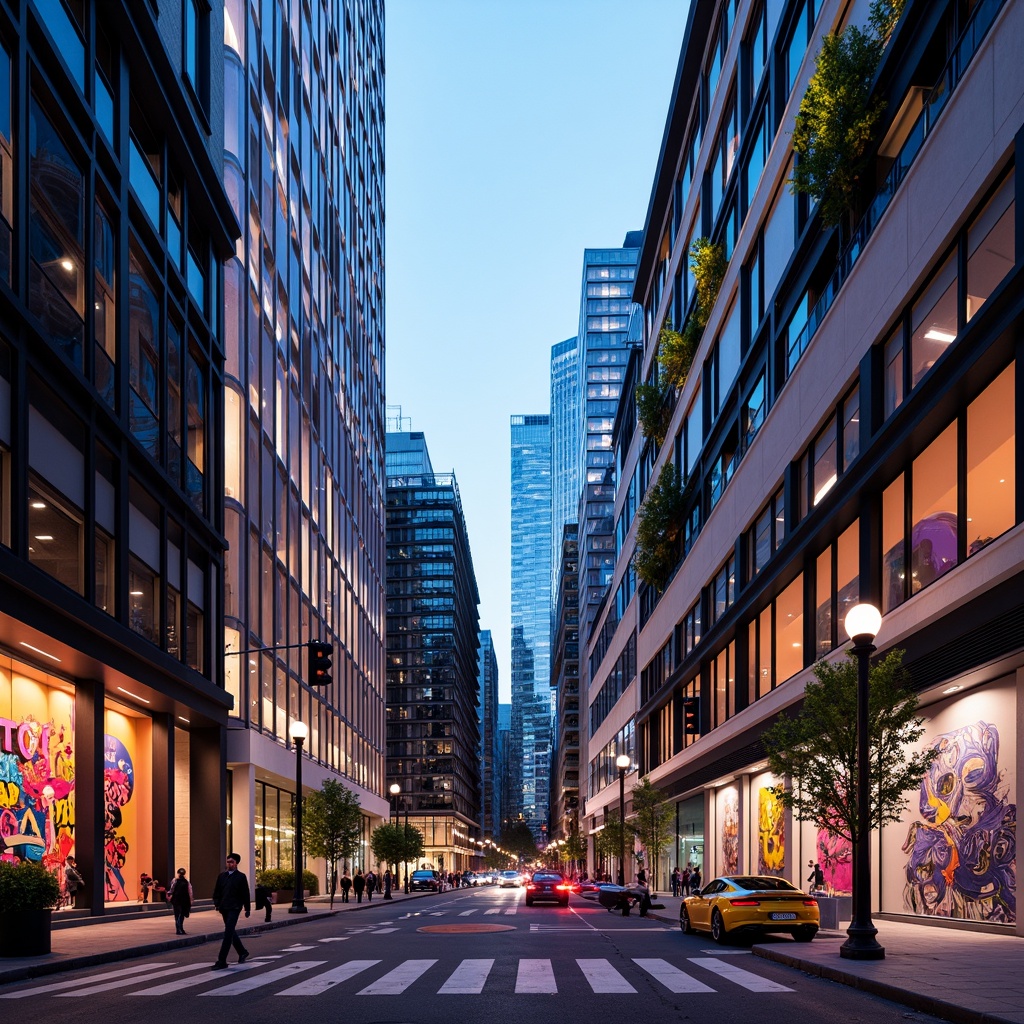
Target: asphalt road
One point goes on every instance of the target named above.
(470, 956)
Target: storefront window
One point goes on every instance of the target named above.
(933, 542)
(991, 455)
(789, 630)
(893, 571)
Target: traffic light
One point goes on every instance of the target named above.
(691, 716)
(319, 663)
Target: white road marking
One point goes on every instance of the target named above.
(535, 976)
(278, 974)
(745, 979)
(466, 913)
(603, 977)
(399, 979)
(469, 978)
(323, 982)
(671, 977)
(57, 986)
(335, 938)
(170, 987)
(90, 989)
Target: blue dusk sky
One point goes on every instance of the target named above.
(518, 133)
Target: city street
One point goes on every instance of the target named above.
(475, 953)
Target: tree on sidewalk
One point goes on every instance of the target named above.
(815, 750)
(653, 823)
(331, 825)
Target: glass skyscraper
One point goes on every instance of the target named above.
(531, 615)
(487, 675)
(565, 443)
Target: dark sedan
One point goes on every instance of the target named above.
(424, 880)
(550, 886)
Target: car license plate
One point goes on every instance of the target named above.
(783, 917)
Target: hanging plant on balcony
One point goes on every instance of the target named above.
(652, 411)
(838, 117)
(659, 523)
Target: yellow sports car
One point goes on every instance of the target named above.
(731, 904)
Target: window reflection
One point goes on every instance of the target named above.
(143, 598)
(55, 537)
(991, 456)
(990, 247)
(933, 541)
(933, 321)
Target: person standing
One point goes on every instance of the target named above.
(695, 880)
(359, 884)
(145, 884)
(72, 878)
(685, 881)
(371, 884)
(180, 896)
(346, 884)
(264, 894)
(388, 882)
(231, 897)
(676, 879)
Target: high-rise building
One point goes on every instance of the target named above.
(114, 224)
(565, 678)
(433, 732)
(846, 433)
(602, 351)
(507, 777)
(487, 676)
(565, 448)
(531, 615)
(303, 425)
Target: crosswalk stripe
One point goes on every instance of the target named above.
(57, 986)
(107, 986)
(383, 931)
(603, 977)
(278, 974)
(512, 911)
(671, 977)
(536, 976)
(466, 913)
(327, 980)
(469, 978)
(170, 987)
(745, 979)
(399, 979)
(493, 910)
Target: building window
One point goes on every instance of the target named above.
(723, 685)
(837, 590)
(144, 355)
(934, 538)
(826, 467)
(55, 536)
(991, 460)
(990, 247)
(760, 678)
(103, 574)
(104, 318)
(754, 410)
(893, 357)
(851, 428)
(6, 168)
(893, 559)
(143, 599)
(933, 321)
(789, 630)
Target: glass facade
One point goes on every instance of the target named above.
(565, 464)
(532, 696)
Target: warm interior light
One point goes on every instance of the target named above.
(45, 654)
(863, 620)
(44, 536)
(297, 730)
(67, 265)
(936, 335)
(952, 689)
(37, 504)
(134, 696)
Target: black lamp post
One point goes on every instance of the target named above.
(394, 789)
(298, 732)
(622, 762)
(862, 624)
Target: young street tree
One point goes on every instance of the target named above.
(653, 823)
(609, 841)
(816, 749)
(331, 825)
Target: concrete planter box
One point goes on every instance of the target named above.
(835, 911)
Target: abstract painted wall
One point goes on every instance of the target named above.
(771, 832)
(729, 816)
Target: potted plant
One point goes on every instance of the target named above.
(28, 894)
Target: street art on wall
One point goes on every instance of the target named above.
(118, 786)
(771, 832)
(37, 783)
(961, 855)
(730, 831)
(835, 855)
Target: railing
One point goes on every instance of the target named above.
(956, 65)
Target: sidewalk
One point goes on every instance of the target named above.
(968, 977)
(87, 942)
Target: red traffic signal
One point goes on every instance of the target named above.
(319, 663)
(691, 716)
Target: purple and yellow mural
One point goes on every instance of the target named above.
(962, 855)
(771, 832)
(118, 786)
(730, 831)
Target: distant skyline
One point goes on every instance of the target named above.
(517, 134)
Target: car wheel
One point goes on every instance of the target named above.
(804, 933)
(718, 932)
(684, 921)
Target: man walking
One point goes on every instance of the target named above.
(231, 897)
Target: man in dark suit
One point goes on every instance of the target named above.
(231, 897)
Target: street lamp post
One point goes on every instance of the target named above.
(622, 762)
(298, 732)
(862, 624)
(394, 789)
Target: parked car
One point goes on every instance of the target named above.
(509, 880)
(429, 881)
(548, 887)
(470, 878)
(731, 904)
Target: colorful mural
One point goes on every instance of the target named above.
(962, 855)
(37, 784)
(730, 831)
(771, 832)
(118, 786)
(835, 855)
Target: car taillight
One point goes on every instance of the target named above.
(810, 903)
(531, 886)
(745, 903)
(564, 888)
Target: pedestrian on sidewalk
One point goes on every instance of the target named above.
(72, 878)
(231, 897)
(145, 884)
(676, 880)
(264, 896)
(816, 877)
(388, 882)
(346, 884)
(371, 884)
(695, 880)
(684, 881)
(180, 897)
(359, 884)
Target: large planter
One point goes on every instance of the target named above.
(25, 933)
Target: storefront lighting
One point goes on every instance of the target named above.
(182, 718)
(953, 689)
(134, 696)
(37, 504)
(45, 654)
(44, 536)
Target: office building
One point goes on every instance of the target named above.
(565, 678)
(846, 433)
(565, 453)
(303, 298)
(114, 224)
(532, 708)
(487, 678)
(433, 687)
